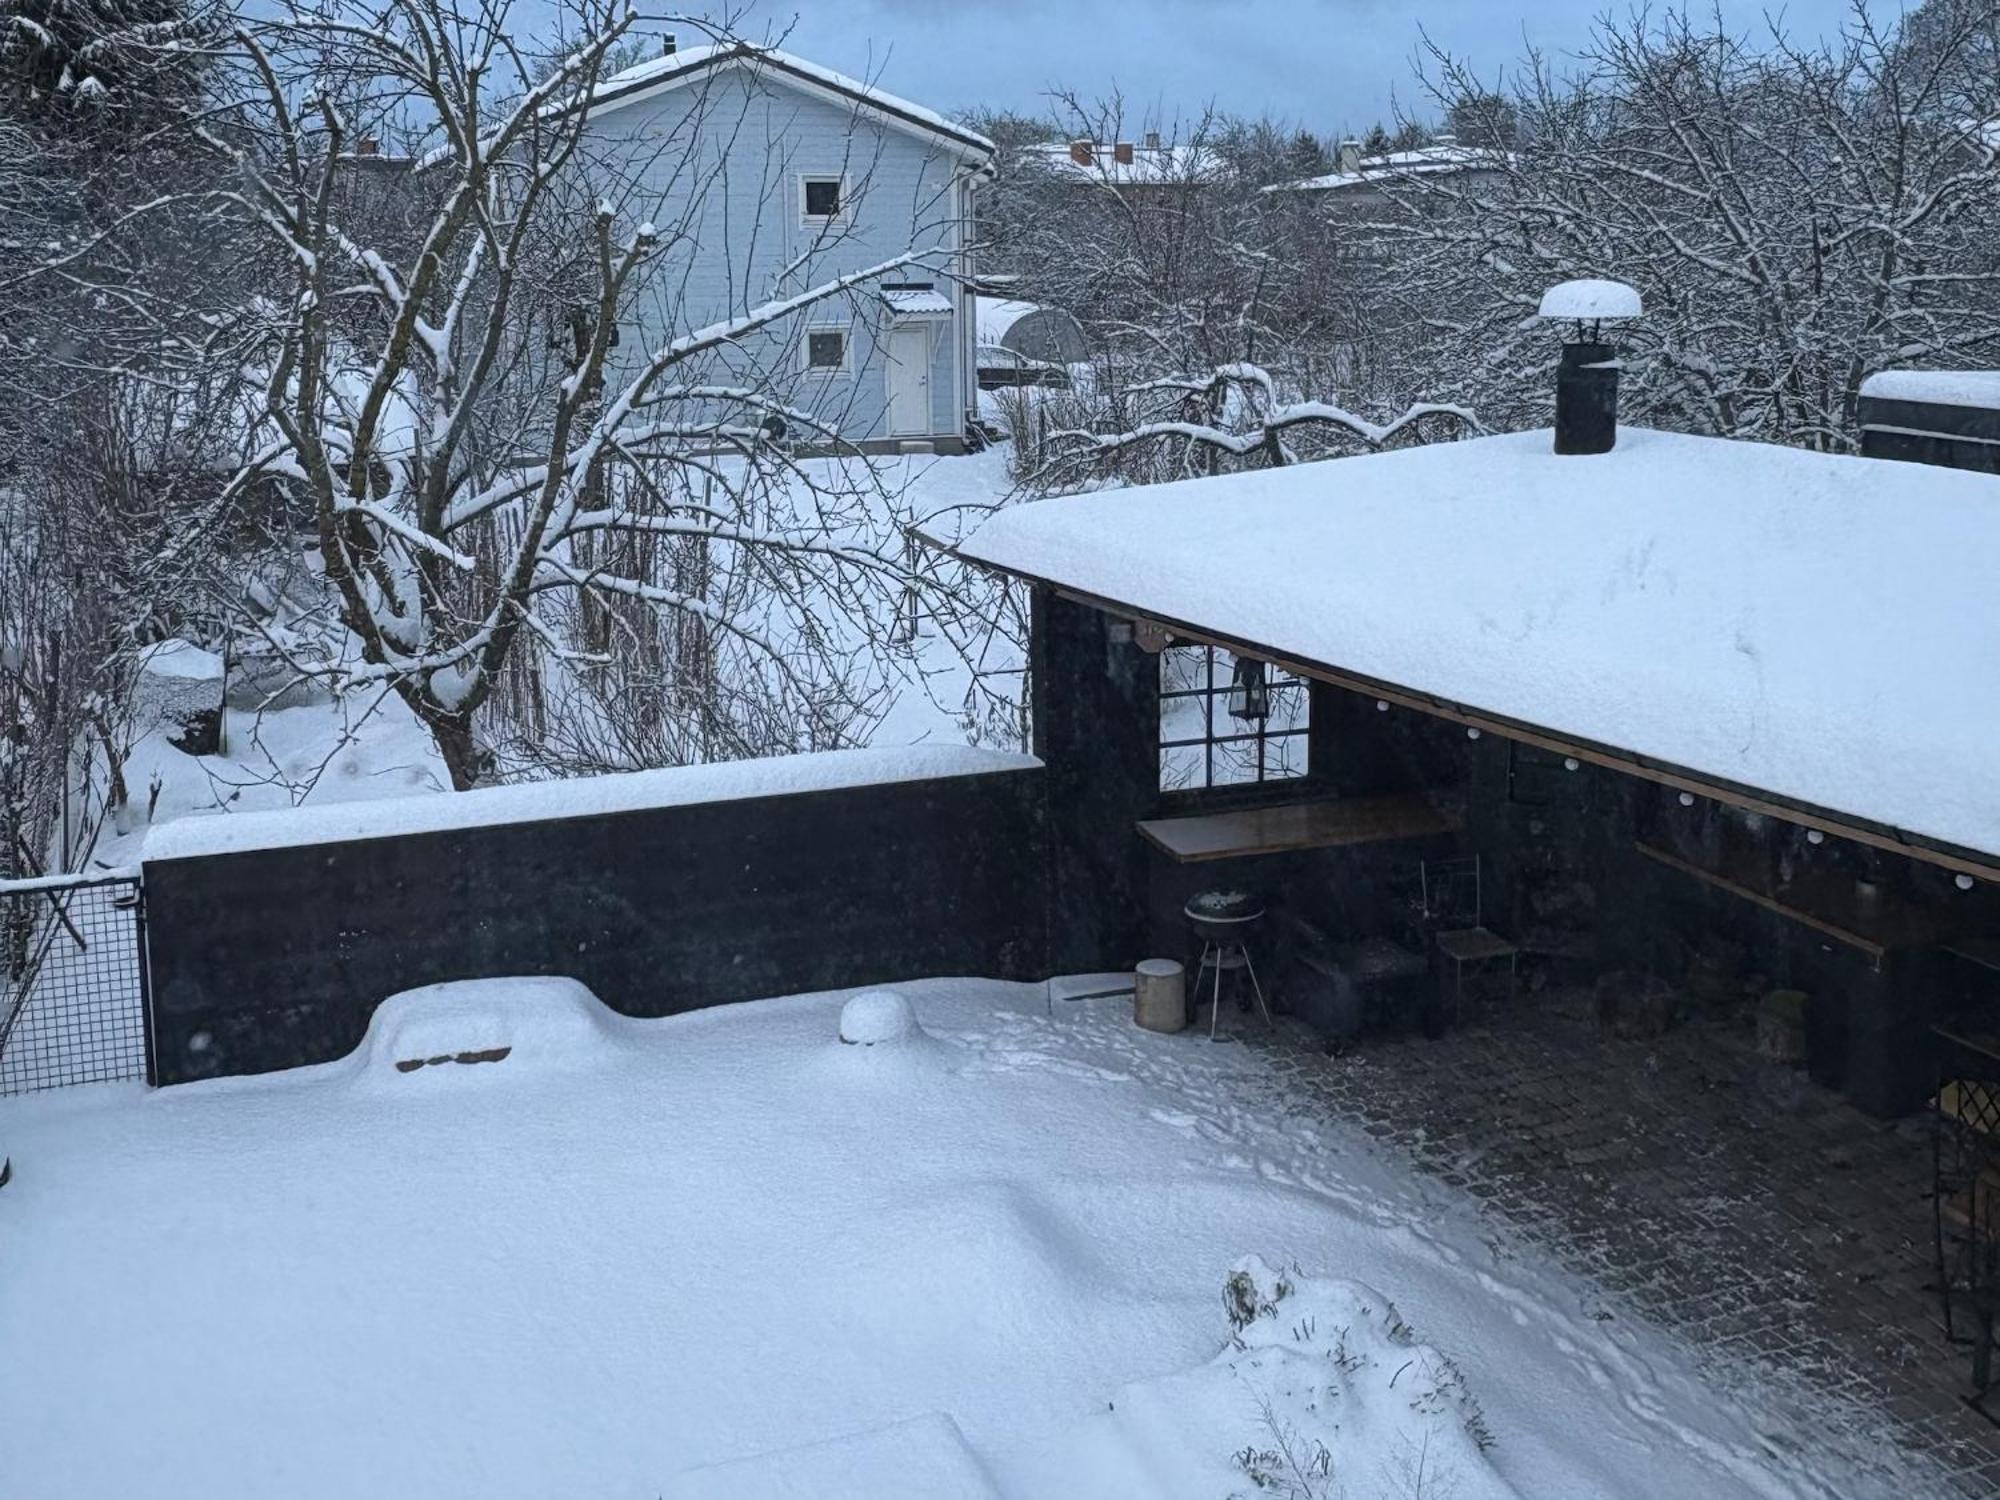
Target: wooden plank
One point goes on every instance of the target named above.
(1845, 935)
(1291, 826)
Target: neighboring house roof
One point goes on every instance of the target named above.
(680, 68)
(1821, 629)
(1423, 161)
(1151, 165)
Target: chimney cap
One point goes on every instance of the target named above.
(1590, 299)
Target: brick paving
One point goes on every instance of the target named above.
(1782, 1234)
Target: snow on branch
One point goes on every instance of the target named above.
(1236, 411)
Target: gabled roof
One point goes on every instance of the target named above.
(677, 69)
(1821, 630)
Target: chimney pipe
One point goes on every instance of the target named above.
(1587, 398)
(669, 45)
(1587, 378)
(1152, 140)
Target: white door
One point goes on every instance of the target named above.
(909, 379)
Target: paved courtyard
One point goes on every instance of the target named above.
(1777, 1229)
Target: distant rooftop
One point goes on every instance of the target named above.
(1443, 158)
(1145, 162)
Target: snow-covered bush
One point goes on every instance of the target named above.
(1348, 1401)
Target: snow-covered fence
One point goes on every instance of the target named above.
(274, 936)
(73, 998)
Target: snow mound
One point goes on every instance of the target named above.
(925, 1458)
(181, 661)
(528, 1021)
(1323, 1389)
(1589, 299)
(878, 1018)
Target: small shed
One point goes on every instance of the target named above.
(1687, 690)
(1030, 331)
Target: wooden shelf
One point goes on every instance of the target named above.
(1828, 903)
(1291, 826)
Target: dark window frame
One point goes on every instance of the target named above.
(1216, 694)
(810, 181)
(842, 365)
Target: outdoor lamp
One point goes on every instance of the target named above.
(1249, 693)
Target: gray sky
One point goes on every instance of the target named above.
(1327, 64)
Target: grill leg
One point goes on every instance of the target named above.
(1256, 988)
(1215, 1010)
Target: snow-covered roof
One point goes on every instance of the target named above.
(182, 660)
(1939, 387)
(1421, 161)
(586, 797)
(993, 316)
(1820, 628)
(1150, 165)
(678, 68)
(1589, 299)
(917, 304)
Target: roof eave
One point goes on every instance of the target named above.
(974, 148)
(1955, 857)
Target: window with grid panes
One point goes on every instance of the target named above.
(1204, 746)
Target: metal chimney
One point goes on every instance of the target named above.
(1587, 377)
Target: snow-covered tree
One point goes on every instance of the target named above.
(1796, 218)
(491, 478)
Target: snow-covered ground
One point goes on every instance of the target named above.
(369, 746)
(727, 1255)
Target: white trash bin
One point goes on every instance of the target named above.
(1159, 995)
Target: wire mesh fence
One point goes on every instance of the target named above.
(72, 983)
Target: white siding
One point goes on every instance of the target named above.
(736, 146)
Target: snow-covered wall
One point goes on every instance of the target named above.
(273, 937)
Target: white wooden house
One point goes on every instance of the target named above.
(777, 175)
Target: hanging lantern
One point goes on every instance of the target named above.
(1249, 693)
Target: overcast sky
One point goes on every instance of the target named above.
(1328, 64)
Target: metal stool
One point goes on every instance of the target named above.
(1224, 921)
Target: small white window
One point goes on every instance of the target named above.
(823, 198)
(825, 351)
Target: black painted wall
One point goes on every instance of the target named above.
(1563, 874)
(277, 958)
(1096, 707)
